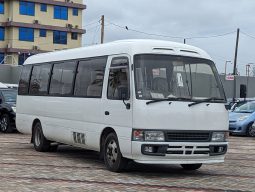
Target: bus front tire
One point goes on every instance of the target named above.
(41, 144)
(114, 161)
(191, 167)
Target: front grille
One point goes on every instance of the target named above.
(187, 136)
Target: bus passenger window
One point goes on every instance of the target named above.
(24, 80)
(62, 78)
(90, 77)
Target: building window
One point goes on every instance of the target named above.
(1, 58)
(75, 11)
(43, 32)
(1, 7)
(26, 34)
(44, 7)
(74, 36)
(60, 12)
(27, 8)
(59, 37)
(2, 32)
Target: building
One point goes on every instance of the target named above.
(29, 27)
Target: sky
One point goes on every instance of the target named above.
(215, 22)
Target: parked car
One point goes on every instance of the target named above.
(7, 109)
(242, 118)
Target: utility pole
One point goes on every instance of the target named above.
(102, 29)
(235, 61)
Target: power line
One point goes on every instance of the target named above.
(244, 33)
(168, 36)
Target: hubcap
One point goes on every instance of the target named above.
(38, 137)
(112, 152)
(4, 124)
(252, 131)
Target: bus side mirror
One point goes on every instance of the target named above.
(243, 91)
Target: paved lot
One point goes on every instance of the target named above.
(72, 169)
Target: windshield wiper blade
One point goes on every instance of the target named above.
(168, 99)
(205, 100)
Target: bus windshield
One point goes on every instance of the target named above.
(167, 76)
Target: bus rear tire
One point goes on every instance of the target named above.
(114, 161)
(191, 167)
(41, 144)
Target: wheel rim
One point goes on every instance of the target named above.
(4, 124)
(112, 152)
(252, 131)
(38, 137)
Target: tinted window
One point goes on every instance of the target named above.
(89, 79)
(75, 11)
(24, 80)
(40, 79)
(74, 36)
(42, 32)
(62, 78)
(44, 7)
(118, 86)
(2, 31)
(10, 95)
(27, 8)
(1, 7)
(26, 34)
(59, 37)
(60, 12)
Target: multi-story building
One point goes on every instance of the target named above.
(29, 27)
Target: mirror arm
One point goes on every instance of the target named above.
(126, 104)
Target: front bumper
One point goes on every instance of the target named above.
(178, 152)
(238, 127)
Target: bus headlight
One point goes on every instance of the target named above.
(219, 136)
(154, 136)
(142, 135)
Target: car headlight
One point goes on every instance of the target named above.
(219, 136)
(14, 109)
(243, 118)
(142, 135)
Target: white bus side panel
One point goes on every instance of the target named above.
(61, 116)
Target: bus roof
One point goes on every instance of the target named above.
(131, 47)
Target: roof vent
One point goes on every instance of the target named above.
(162, 49)
(188, 51)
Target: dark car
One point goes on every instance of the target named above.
(7, 109)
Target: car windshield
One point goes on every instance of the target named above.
(166, 76)
(9, 95)
(248, 107)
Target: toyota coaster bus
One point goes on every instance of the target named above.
(150, 101)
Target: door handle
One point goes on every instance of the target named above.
(107, 113)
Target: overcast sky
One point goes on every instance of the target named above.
(181, 18)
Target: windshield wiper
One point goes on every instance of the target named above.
(168, 99)
(205, 100)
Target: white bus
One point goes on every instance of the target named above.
(150, 101)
